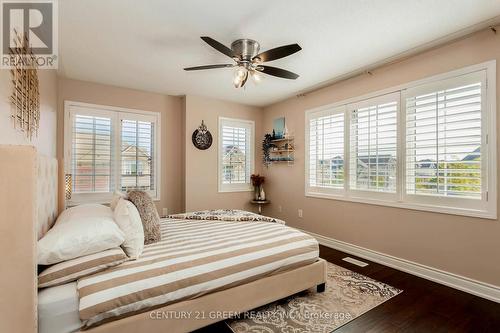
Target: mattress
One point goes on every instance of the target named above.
(192, 259)
(58, 309)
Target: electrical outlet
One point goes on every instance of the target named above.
(301, 213)
(280, 209)
(165, 211)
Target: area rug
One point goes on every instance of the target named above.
(347, 296)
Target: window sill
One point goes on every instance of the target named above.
(406, 205)
(235, 190)
(96, 200)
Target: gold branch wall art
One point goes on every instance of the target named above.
(25, 96)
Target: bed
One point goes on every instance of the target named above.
(201, 273)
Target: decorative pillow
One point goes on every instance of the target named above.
(149, 215)
(225, 215)
(78, 237)
(117, 195)
(74, 269)
(128, 219)
(84, 211)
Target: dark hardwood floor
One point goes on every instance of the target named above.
(423, 306)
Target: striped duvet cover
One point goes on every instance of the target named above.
(194, 258)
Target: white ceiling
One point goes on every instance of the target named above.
(146, 44)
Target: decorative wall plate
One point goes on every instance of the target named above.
(202, 138)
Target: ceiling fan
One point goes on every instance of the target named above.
(248, 60)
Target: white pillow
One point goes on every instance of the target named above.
(78, 236)
(84, 211)
(117, 195)
(128, 219)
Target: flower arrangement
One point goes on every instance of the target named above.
(257, 180)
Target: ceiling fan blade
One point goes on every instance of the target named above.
(197, 68)
(278, 52)
(275, 71)
(218, 46)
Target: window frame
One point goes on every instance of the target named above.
(116, 114)
(486, 208)
(247, 186)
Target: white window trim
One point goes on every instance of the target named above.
(116, 113)
(489, 210)
(222, 188)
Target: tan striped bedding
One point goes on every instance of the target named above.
(192, 259)
(71, 270)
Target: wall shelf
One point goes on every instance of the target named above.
(283, 139)
(282, 151)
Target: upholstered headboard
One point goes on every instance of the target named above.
(46, 198)
(28, 192)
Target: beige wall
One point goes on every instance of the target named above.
(171, 117)
(461, 245)
(45, 142)
(201, 187)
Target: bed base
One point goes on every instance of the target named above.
(196, 313)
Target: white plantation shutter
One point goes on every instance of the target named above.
(137, 155)
(326, 149)
(444, 138)
(108, 149)
(235, 154)
(92, 153)
(429, 145)
(373, 144)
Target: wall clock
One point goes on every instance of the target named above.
(202, 138)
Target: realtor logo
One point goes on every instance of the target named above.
(35, 22)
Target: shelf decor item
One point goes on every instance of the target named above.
(202, 138)
(68, 186)
(262, 194)
(278, 150)
(257, 181)
(279, 128)
(266, 147)
(25, 96)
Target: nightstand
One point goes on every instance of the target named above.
(260, 203)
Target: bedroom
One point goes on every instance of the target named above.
(337, 171)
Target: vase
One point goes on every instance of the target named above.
(262, 194)
(256, 192)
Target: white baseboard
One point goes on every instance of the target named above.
(468, 285)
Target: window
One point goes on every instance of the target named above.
(428, 145)
(444, 141)
(326, 151)
(92, 153)
(108, 149)
(373, 144)
(137, 153)
(236, 154)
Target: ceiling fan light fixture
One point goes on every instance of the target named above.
(248, 60)
(240, 77)
(256, 76)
